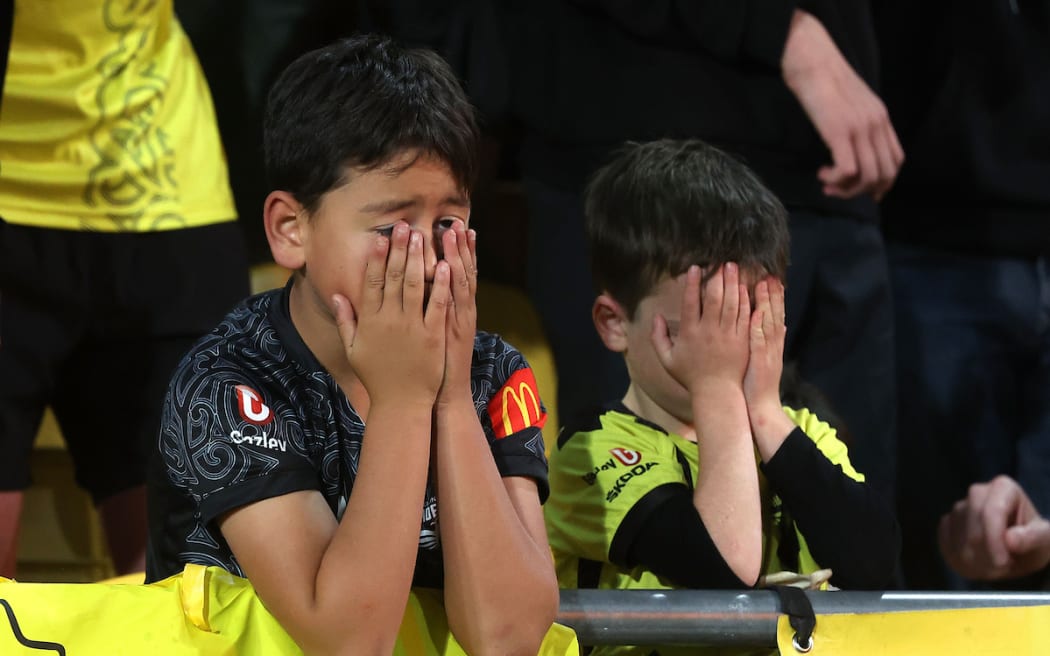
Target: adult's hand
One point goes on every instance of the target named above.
(995, 533)
(850, 118)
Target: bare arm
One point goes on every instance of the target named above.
(501, 594)
(851, 120)
(342, 587)
(709, 359)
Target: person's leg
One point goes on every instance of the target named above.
(560, 286)
(10, 520)
(840, 333)
(39, 322)
(960, 326)
(158, 293)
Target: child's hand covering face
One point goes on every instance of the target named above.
(767, 333)
(396, 340)
(459, 247)
(712, 341)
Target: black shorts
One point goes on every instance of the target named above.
(93, 324)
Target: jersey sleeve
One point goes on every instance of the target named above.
(511, 411)
(226, 443)
(604, 483)
(826, 439)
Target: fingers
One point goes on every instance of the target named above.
(888, 164)
(744, 309)
(440, 296)
(456, 245)
(345, 320)
(662, 341)
(714, 291)
(472, 261)
(1022, 540)
(691, 295)
(844, 168)
(412, 297)
(989, 517)
(761, 320)
(395, 266)
(730, 294)
(776, 301)
(375, 275)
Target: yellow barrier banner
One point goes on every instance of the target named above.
(203, 611)
(1013, 631)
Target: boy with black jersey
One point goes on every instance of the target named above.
(352, 435)
(699, 477)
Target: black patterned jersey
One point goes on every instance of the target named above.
(251, 414)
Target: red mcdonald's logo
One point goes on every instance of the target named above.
(516, 405)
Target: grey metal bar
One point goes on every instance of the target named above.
(723, 618)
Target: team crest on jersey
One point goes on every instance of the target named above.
(516, 405)
(251, 407)
(628, 457)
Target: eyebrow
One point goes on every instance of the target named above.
(396, 204)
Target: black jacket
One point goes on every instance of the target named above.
(967, 83)
(590, 74)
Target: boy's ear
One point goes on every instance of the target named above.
(282, 217)
(611, 321)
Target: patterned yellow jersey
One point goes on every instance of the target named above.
(106, 122)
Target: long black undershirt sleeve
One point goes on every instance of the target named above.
(849, 528)
(669, 539)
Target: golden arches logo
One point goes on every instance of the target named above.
(524, 389)
(516, 405)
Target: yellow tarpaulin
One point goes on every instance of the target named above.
(203, 611)
(1015, 631)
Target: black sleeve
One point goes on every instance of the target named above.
(731, 30)
(664, 534)
(849, 528)
(522, 454)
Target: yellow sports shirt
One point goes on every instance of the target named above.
(597, 476)
(106, 123)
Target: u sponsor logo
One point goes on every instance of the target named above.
(251, 406)
(516, 405)
(628, 457)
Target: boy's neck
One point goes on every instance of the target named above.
(641, 404)
(319, 332)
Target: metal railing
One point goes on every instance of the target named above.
(724, 618)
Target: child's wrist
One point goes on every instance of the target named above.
(770, 426)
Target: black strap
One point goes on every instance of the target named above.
(788, 547)
(795, 604)
(588, 573)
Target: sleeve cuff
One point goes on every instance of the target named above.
(766, 31)
(255, 489)
(521, 454)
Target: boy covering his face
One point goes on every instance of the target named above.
(313, 441)
(699, 477)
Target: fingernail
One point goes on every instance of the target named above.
(414, 239)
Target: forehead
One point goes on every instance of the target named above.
(406, 176)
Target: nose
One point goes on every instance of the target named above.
(433, 252)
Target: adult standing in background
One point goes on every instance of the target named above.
(968, 226)
(118, 245)
(785, 86)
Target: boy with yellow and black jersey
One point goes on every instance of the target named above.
(700, 477)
